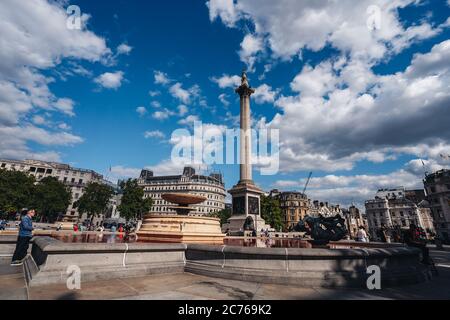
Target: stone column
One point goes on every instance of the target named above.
(245, 92)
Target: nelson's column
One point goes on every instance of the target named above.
(246, 194)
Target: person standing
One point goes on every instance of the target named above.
(23, 241)
(361, 235)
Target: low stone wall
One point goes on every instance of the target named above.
(50, 261)
(307, 267)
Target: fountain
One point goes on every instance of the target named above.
(181, 227)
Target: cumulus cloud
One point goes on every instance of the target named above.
(163, 114)
(264, 94)
(250, 46)
(161, 78)
(350, 114)
(348, 189)
(110, 80)
(141, 111)
(226, 81)
(182, 110)
(154, 134)
(223, 99)
(223, 9)
(35, 40)
(290, 26)
(122, 172)
(124, 49)
(189, 120)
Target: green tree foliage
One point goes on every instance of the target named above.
(271, 212)
(133, 205)
(16, 191)
(223, 215)
(95, 199)
(51, 198)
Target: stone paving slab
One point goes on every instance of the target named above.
(12, 281)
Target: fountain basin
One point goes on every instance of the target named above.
(180, 229)
(300, 267)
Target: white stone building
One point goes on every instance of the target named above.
(211, 187)
(437, 186)
(75, 178)
(391, 208)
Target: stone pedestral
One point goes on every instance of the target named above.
(246, 202)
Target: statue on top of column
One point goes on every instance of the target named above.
(244, 80)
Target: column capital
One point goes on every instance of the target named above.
(245, 90)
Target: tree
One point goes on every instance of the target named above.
(271, 212)
(133, 205)
(223, 215)
(94, 200)
(51, 197)
(16, 191)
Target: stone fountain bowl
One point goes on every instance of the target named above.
(183, 199)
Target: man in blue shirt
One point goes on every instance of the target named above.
(23, 241)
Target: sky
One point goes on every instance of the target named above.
(359, 91)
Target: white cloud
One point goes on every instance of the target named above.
(121, 172)
(154, 134)
(189, 120)
(225, 9)
(39, 120)
(181, 94)
(223, 99)
(250, 46)
(348, 114)
(289, 26)
(161, 78)
(34, 39)
(155, 104)
(226, 81)
(110, 80)
(182, 110)
(348, 189)
(124, 49)
(141, 111)
(154, 93)
(264, 94)
(163, 114)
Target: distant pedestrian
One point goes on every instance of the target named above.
(75, 227)
(25, 235)
(361, 235)
(413, 238)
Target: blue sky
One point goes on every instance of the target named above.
(361, 108)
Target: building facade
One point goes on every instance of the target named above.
(316, 208)
(293, 205)
(354, 219)
(437, 187)
(75, 178)
(392, 209)
(211, 187)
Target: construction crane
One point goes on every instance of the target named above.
(307, 182)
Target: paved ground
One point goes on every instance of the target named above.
(185, 286)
